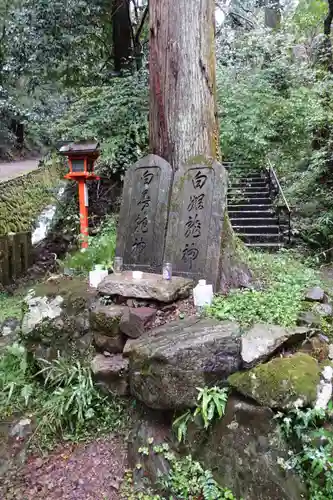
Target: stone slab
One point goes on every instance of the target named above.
(150, 286)
(144, 214)
(262, 340)
(315, 294)
(194, 235)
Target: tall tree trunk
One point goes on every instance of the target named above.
(183, 112)
(327, 49)
(273, 14)
(121, 33)
(183, 118)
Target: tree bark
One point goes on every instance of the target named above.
(183, 113)
(183, 117)
(327, 49)
(121, 34)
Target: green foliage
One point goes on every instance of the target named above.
(308, 18)
(67, 406)
(17, 388)
(101, 250)
(186, 480)
(273, 99)
(281, 281)
(117, 115)
(75, 407)
(10, 306)
(313, 455)
(211, 403)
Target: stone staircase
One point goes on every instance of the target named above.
(252, 213)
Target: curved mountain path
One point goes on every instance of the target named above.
(13, 169)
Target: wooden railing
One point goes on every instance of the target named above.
(15, 256)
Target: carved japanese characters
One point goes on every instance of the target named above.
(196, 220)
(143, 215)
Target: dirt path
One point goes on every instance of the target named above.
(91, 471)
(17, 168)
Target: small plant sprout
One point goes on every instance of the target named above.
(211, 404)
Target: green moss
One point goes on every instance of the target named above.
(23, 198)
(280, 382)
(106, 319)
(201, 160)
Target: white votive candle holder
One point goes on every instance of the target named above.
(137, 275)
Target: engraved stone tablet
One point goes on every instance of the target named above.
(144, 213)
(195, 224)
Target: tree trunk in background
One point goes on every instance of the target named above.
(121, 34)
(273, 14)
(183, 112)
(183, 118)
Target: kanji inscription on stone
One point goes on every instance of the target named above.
(143, 214)
(195, 224)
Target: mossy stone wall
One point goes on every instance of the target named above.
(23, 198)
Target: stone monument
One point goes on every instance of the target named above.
(193, 243)
(144, 214)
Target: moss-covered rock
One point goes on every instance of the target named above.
(281, 382)
(56, 319)
(106, 319)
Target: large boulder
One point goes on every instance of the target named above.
(150, 287)
(56, 319)
(243, 449)
(261, 341)
(281, 383)
(168, 364)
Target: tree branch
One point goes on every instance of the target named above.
(142, 23)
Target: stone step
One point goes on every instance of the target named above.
(246, 208)
(250, 214)
(249, 187)
(256, 200)
(251, 221)
(247, 193)
(247, 178)
(274, 229)
(265, 247)
(260, 238)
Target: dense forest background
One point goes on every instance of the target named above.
(78, 69)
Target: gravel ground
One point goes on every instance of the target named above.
(91, 471)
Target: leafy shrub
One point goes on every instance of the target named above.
(66, 406)
(101, 249)
(211, 403)
(186, 479)
(281, 281)
(274, 105)
(16, 381)
(116, 115)
(313, 449)
(74, 406)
